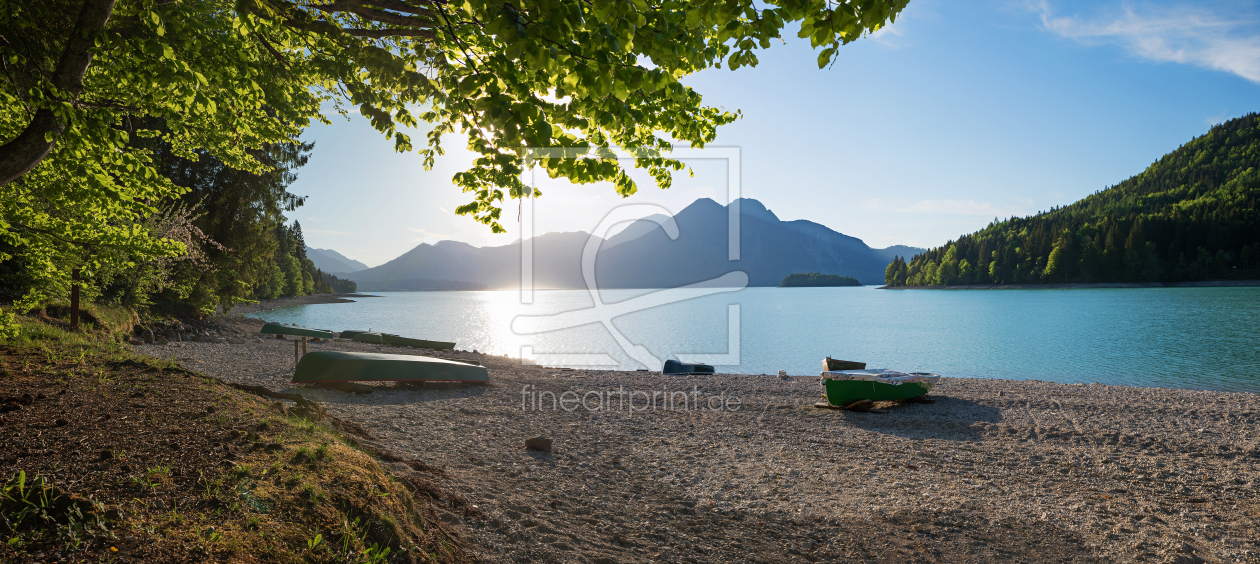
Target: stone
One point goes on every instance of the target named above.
(147, 335)
(538, 443)
(236, 341)
(135, 341)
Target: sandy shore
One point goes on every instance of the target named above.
(994, 471)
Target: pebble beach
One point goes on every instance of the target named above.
(994, 470)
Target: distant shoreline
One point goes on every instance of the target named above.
(1206, 284)
(268, 305)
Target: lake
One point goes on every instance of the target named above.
(1197, 338)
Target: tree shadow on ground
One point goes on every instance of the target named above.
(386, 393)
(951, 419)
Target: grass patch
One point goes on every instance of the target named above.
(154, 478)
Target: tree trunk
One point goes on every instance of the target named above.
(20, 155)
(74, 301)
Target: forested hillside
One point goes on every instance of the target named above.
(1192, 215)
(254, 254)
(238, 246)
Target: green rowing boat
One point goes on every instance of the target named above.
(278, 329)
(843, 388)
(340, 366)
(367, 337)
(397, 341)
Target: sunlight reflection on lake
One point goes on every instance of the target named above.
(1170, 337)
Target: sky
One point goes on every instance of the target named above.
(958, 113)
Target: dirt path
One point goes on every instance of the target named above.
(995, 470)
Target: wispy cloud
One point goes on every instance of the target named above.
(326, 232)
(941, 207)
(424, 232)
(1189, 35)
(1218, 118)
(890, 35)
(427, 236)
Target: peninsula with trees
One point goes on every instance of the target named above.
(816, 280)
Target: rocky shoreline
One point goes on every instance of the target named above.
(234, 328)
(995, 470)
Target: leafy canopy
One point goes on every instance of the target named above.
(589, 75)
(83, 78)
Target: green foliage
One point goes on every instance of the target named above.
(572, 74)
(37, 504)
(10, 329)
(814, 279)
(1192, 215)
(316, 543)
(243, 214)
(84, 205)
(232, 83)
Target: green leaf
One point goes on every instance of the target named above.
(825, 57)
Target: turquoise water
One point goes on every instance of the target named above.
(1198, 338)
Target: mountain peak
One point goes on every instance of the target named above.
(747, 207)
(754, 208)
(333, 262)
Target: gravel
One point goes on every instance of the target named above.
(995, 470)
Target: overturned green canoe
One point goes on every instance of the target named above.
(397, 341)
(339, 366)
(278, 329)
(367, 337)
(349, 333)
(842, 388)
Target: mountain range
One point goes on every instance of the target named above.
(643, 256)
(333, 262)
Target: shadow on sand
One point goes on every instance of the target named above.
(950, 419)
(389, 394)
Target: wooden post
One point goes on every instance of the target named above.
(295, 353)
(303, 346)
(74, 300)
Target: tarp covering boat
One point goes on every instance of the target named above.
(832, 365)
(844, 387)
(397, 341)
(674, 367)
(278, 329)
(341, 366)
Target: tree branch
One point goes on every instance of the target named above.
(19, 156)
(382, 33)
(284, 62)
(409, 25)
